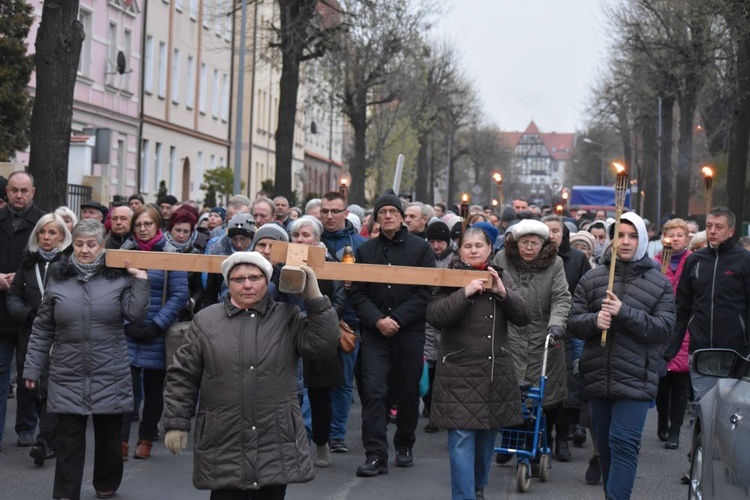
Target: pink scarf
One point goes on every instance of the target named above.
(149, 245)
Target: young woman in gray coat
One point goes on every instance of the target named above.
(79, 329)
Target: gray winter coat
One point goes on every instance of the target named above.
(542, 283)
(81, 323)
(475, 381)
(249, 431)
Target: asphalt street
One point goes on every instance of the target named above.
(164, 476)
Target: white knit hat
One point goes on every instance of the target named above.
(252, 258)
(530, 226)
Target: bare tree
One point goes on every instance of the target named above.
(58, 48)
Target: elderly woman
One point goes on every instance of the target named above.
(321, 375)
(68, 216)
(530, 257)
(169, 296)
(242, 356)
(46, 244)
(620, 377)
(674, 387)
(474, 347)
(80, 322)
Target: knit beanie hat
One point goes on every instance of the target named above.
(170, 199)
(488, 228)
(252, 258)
(388, 198)
(220, 211)
(585, 237)
(438, 230)
(272, 231)
(241, 224)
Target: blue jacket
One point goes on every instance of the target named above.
(335, 243)
(151, 354)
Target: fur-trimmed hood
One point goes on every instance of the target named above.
(546, 256)
(62, 270)
(29, 259)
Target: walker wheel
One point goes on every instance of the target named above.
(544, 468)
(523, 477)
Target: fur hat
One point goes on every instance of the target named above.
(388, 198)
(530, 226)
(272, 231)
(241, 224)
(438, 230)
(252, 258)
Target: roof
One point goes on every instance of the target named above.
(330, 12)
(559, 145)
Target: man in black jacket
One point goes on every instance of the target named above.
(392, 318)
(713, 297)
(17, 220)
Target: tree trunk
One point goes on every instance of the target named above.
(422, 182)
(667, 168)
(648, 175)
(58, 48)
(684, 154)
(739, 134)
(288, 87)
(358, 167)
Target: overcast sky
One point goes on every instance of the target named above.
(529, 59)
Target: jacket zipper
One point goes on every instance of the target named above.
(713, 288)
(242, 392)
(452, 353)
(492, 357)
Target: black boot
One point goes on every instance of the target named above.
(579, 436)
(562, 452)
(662, 429)
(594, 472)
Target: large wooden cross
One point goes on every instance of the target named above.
(295, 254)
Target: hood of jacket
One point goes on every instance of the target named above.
(640, 228)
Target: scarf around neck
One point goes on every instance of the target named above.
(86, 271)
(149, 245)
(48, 256)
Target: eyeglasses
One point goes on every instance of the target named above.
(146, 225)
(240, 280)
(388, 211)
(530, 244)
(333, 211)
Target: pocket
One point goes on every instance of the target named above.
(200, 429)
(447, 357)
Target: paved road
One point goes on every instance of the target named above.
(168, 477)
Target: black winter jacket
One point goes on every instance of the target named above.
(404, 303)
(713, 299)
(627, 366)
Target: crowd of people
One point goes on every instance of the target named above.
(88, 340)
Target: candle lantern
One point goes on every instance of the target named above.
(464, 209)
(344, 189)
(498, 178)
(708, 179)
(666, 254)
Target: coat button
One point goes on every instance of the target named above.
(489, 336)
(490, 315)
(255, 485)
(252, 368)
(252, 428)
(489, 357)
(252, 315)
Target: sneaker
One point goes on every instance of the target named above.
(562, 452)
(579, 436)
(25, 440)
(338, 446)
(673, 442)
(39, 454)
(373, 467)
(594, 472)
(404, 458)
(685, 478)
(323, 457)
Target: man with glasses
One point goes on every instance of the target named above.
(17, 220)
(339, 233)
(393, 327)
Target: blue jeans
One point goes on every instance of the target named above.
(7, 348)
(341, 396)
(470, 453)
(618, 426)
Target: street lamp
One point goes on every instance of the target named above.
(601, 147)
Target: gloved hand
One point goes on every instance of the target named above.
(558, 332)
(30, 316)
(311, 290)
(576, 365)
(176, 441)
(133, 329)
(152, 331)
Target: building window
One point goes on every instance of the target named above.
(176, 76)
(84, 61)
(178, 5)
(193, 10)
(190, 97)
(157, 170)
(200, 165)
(224, 97)
(162, 70)
(215, 94)
(213, 162)
(111, 53)
(172, 162)
(202, 89)
(145, 164)
(204, 13)
(127, 40)
(148, 70)
(121, 162)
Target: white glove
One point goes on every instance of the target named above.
(176, 441)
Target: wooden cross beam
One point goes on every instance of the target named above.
(314, 257)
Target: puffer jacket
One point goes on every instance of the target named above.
(151, 354)
(249, 431)
(542, 284)
(432, 334)
(679, 362)
(713, 299)
(81, 324)
(475, 380)
(626, 367)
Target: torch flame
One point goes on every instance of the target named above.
(666, 242)
(559, 208)
(464, 198)
(344, 181)
(565, 195)
(707, 171)
(620, 168)
(497, 177)
(494, 202)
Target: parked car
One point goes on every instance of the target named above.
(720, 463)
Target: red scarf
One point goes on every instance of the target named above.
(149, 245)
